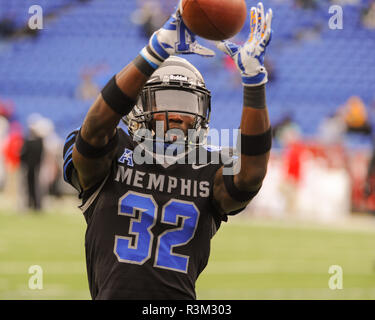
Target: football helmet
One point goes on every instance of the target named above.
(175, 87)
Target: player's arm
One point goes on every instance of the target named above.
(235, 191)
(96, 142)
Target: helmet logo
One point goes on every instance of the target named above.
(178, 77)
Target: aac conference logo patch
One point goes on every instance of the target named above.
(128, 157)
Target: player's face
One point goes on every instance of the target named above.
(179, 121)
(182, 107)
(176, 121)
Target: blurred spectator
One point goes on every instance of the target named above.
(149, 16)
(89, 89)
(310, 33)
(6, 114)
(50, 172)
(356, 117)
(12, 146)
(7, 109)
(4, 127)
(31, 157)
(288, 134)
(11, 149)
(286, 130)
(332, 129)
(370, 177)
(368, 16)
(292, 170)
(306, 4)
(7, 27)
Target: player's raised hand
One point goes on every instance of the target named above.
(249, 57)
(175, 38)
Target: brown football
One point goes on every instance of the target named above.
(214, 19)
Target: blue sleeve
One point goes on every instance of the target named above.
(69, 172)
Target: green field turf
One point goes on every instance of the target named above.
(249, 259)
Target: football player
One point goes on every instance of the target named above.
(149, 226)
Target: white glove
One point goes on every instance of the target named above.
(173, 38)
(249, 58)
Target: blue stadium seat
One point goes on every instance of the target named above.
(313, 74)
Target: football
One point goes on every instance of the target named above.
(214, 19)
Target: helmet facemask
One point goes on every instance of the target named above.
(174, 91)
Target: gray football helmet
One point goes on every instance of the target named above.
(175, 87)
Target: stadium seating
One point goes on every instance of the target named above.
(19, 10)
(315, 69)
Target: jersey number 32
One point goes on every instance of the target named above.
(137, 248)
